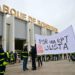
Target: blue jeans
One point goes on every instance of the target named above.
(25, 60)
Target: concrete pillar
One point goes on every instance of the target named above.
(28, 35)
(12, 35)
(42, 30)
(32, 35)
(4, 33)
(45, 33)
(53, 33)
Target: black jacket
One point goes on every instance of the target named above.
(33, 52)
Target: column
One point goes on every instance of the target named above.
(4, 33)
(44, 31)
(28, 35)
(12, 35)
(32, 35)
(53, 32)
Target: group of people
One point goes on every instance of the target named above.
(33, 54)
(7, 58)
(12, 57)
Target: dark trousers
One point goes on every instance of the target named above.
(2, 69)
(43, 58)
(25, 60)
(33, 63)
(39, 61)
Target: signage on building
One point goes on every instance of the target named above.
(23, 16)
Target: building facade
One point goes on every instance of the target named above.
(17, 28)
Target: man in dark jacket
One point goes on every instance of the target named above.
(33, 56)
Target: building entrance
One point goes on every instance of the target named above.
(19, 44)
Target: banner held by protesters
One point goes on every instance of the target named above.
(63, 42)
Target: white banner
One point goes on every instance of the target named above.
(59, 43)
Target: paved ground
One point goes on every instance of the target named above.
(62, 67)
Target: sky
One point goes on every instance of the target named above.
(58, 13)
